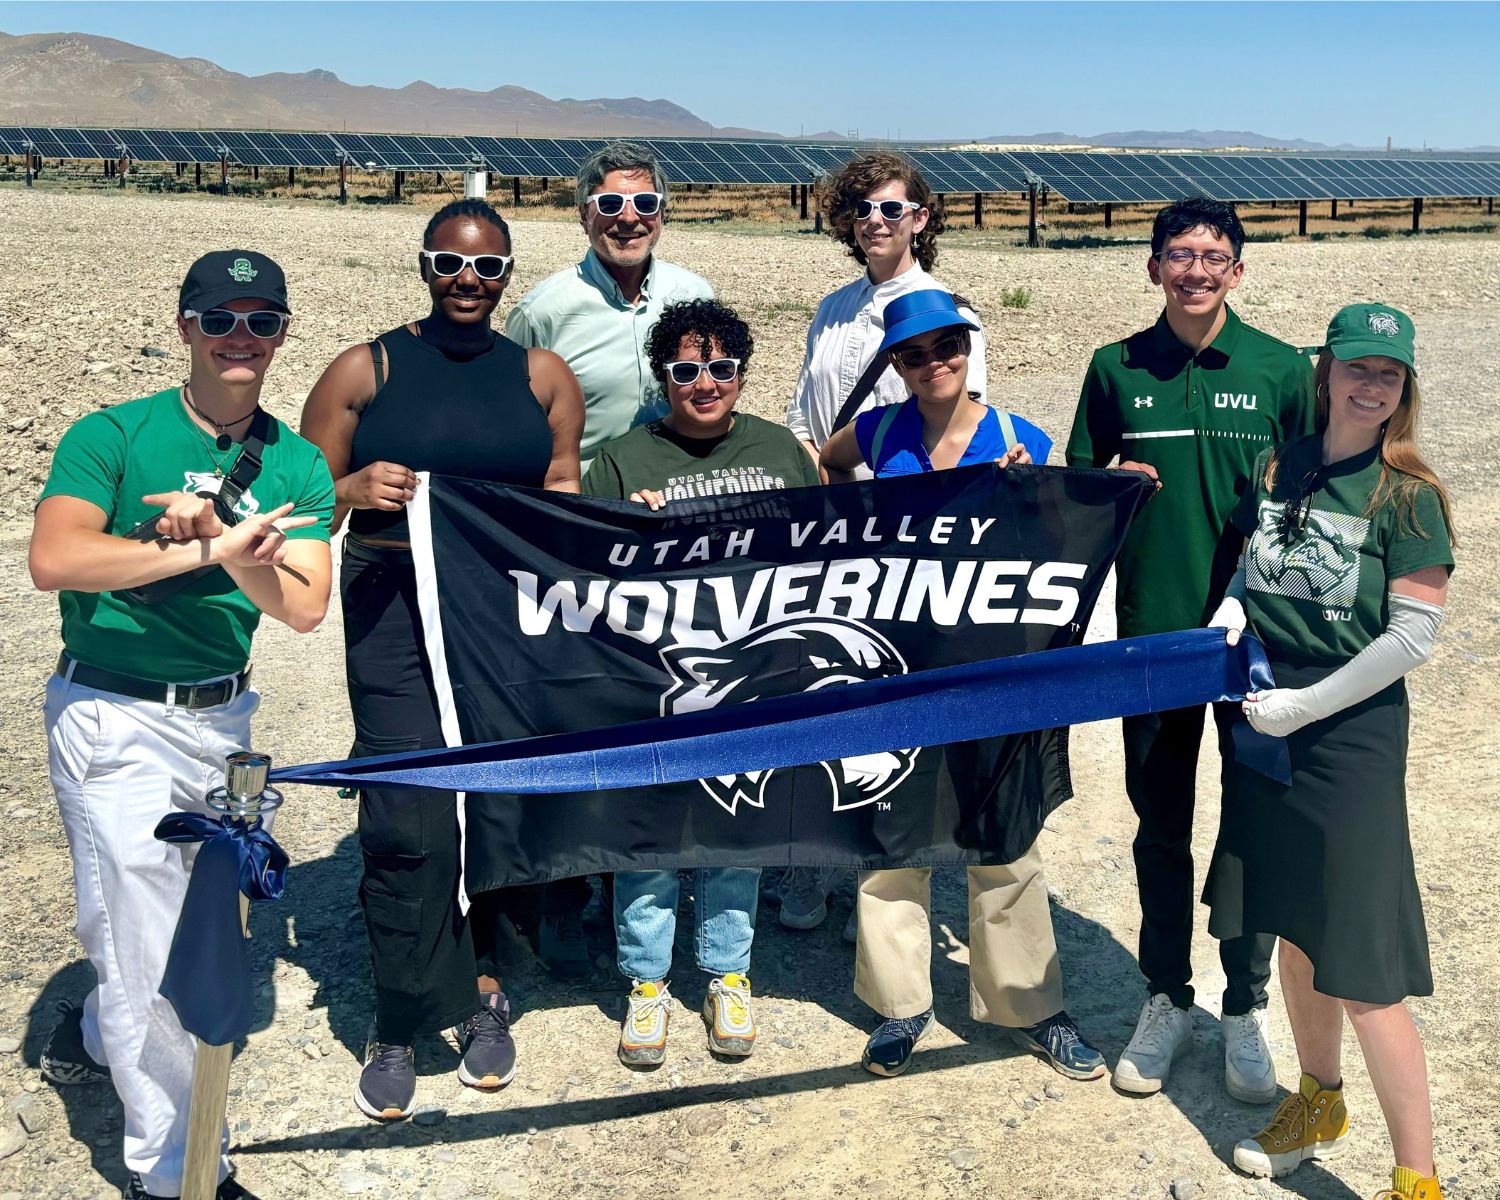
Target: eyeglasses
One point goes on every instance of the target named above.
(891, 210)
(686, 371)
(612, 204)
(220, 322)
(448, 263)
(1215, 262)
(945, 349)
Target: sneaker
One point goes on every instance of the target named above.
(64, 1060)
(643, 1035)
(851, 926)
(1249, 1073)
(1058, 1041)
(888, 1052)
(228, 1190)
(1406, 1184)
(387, 1089)
(804, 896)
(731, 1024)
(489, 1052)
(1163, 1030)
(562, 946)
(1311, 1123)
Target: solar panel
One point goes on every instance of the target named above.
(1087, 176)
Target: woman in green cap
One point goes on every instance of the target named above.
(1344, 578)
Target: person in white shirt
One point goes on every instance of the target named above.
(883, 210)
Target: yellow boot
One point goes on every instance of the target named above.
(1309, 1124)
(1406, 1184)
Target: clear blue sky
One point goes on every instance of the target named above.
(1334, 73)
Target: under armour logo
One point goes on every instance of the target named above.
(1143, 401)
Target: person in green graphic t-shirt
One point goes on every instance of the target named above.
(1344, 578)
(1190, 402)
(702, 447)
(166, 544)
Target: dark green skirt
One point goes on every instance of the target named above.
(1326, 863)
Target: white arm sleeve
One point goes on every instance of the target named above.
(1405, 645)
(1230, 614)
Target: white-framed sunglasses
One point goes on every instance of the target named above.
(263, 323)
(612, 204)
(891, 210)
(449, 263)
(686, 371)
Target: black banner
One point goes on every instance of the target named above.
(548, 613)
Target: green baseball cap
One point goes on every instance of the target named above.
(1358, 330)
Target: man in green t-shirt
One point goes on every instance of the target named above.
(698, 350)
(165, 549)
(1190, 402)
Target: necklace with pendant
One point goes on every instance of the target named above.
(223, 441)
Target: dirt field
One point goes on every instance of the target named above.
(87, 281)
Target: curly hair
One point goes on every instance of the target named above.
(469, 209)
(708, 321)
(1197, 212)
(863, 175)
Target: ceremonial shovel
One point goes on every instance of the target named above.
(245, 798)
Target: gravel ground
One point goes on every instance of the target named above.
(87, 281)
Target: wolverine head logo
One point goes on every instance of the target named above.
(803, 654)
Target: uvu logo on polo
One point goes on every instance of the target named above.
(1234, 400)
(799, 627)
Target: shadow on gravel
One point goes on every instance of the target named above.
(318, 927)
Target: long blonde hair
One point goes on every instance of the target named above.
(1403, 470)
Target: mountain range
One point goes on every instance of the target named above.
(80, 79)
(83, 80)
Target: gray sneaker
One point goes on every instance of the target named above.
(804, 896)
(563, 946)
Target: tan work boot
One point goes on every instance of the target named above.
(1406, 1184)
(1309, 1124)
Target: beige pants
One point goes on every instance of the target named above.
(1014, 977)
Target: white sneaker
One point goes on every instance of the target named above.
(1162, 1030)
(1249, 1073)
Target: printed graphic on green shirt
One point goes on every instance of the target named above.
(1320, 564)
(725, 481)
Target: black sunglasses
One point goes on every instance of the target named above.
(1298, 508)
(955, 345)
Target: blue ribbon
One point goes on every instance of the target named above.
(207, 980)
(926, 708)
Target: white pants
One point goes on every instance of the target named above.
(118, 765)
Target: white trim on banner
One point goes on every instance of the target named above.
(419, 522)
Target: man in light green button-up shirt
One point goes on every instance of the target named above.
(598, 315)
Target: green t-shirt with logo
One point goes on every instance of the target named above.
(112, 458)
(1200, 420)
(754, 456)
(1319, 566)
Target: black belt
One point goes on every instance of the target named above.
(188, 695)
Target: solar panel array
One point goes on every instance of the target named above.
(1087, 176)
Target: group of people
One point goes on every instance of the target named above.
(1290, 503)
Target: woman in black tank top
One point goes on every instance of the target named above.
(450, 395)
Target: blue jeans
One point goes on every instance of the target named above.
(724, 920)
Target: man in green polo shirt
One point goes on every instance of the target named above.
(166, 543)
(598, 316)
(1190, 402)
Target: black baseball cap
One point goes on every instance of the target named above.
(224, 275)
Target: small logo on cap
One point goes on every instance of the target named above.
(243, 272)
(1385, 324)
